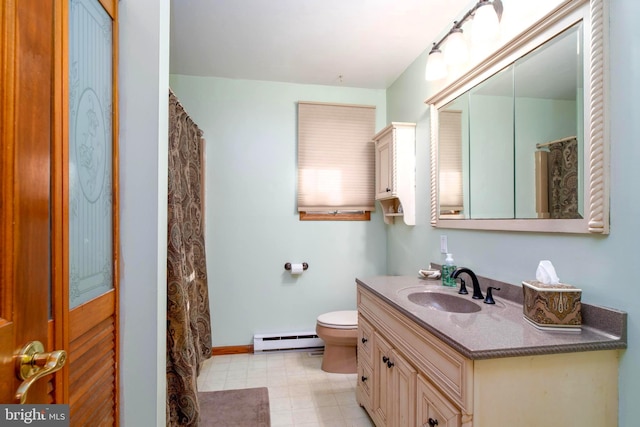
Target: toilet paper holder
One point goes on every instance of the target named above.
(287, 266)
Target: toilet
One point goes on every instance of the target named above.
(339, 331)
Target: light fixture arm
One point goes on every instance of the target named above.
(497, 5)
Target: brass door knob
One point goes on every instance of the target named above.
(32, 363)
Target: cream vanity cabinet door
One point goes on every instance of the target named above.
(385, 183)
(394, 391)
(382, 394)
(403, 391)
(433, 409)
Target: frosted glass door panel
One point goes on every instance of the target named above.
(90, 151)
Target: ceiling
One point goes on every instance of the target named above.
(354, 43)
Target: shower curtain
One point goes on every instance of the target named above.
(563, 179)
(188, 318)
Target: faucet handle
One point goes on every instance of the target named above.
(463, 288)
(489, 299)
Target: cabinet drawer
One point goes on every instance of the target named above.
(449, 371)
(364, 390)
(433, 409)
(365, 340)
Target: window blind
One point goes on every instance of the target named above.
(335, 157)
(450, 161)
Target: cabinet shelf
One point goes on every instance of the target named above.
(389, 216)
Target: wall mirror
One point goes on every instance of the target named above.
(519, 142)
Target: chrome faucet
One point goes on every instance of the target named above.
(477, 292)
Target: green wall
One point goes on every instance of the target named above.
(491, 159)
(143, 76)
(252, 223)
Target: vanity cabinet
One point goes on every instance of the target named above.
(395, 171)
(413, 378)
(397, 393)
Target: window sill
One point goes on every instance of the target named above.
(335, 216)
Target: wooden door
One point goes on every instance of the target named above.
(58, 182)
(89, 70)
(26, 61)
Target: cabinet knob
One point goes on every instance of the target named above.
(385, 359)
(432, 422)
(388, 190)
(389, 364)
(364, 340)
(363, 378)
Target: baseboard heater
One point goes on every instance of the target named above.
(287, 342)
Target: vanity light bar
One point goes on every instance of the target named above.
(457, 25)
(435, 53)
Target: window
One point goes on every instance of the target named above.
(335, 161)
(450, 162)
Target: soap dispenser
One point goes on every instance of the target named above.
(448, 268)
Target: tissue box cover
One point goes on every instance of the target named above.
(556, 306)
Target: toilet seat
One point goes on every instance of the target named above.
(347, 319)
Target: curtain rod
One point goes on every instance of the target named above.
(546, 144)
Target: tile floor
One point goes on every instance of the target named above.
(300, 393)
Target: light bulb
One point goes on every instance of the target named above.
(456, 51)
(436, 68)
(485, 23)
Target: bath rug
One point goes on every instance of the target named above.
(235, 408)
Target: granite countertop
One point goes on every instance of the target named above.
(498, 330)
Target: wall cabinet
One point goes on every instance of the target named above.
(395, 171)
(414, 379)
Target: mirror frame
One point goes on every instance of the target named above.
(596, 143)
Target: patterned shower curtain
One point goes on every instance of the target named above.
(563, 179)
(188, 319)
